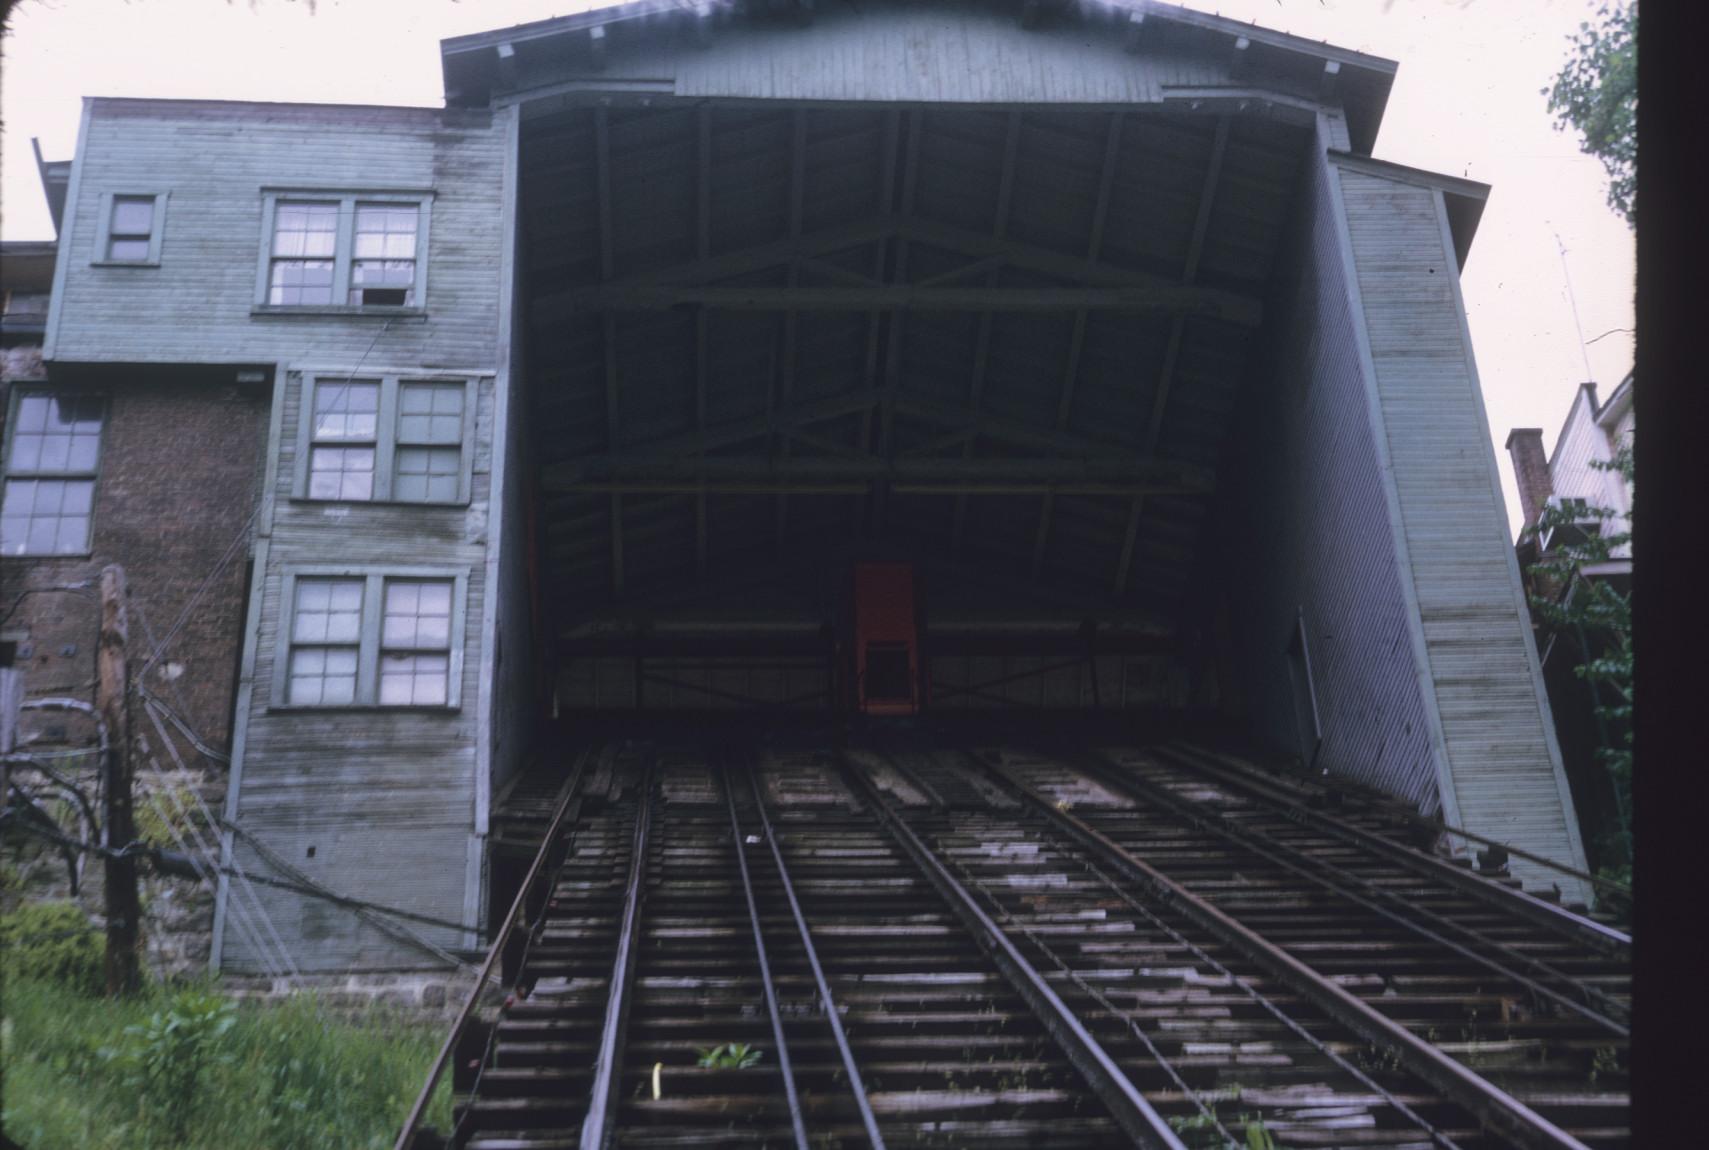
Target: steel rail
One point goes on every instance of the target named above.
(1546, 914)
(1137, 1118)
(1497, 1109)
(501, 938)
(856, 1085)
(598, 1126)
(1293, 1025)
(784, 1066)
(1338, 883)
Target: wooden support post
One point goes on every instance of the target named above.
(112, 691)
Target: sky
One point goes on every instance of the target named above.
(1467, 101)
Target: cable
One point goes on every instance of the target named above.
(234, 905)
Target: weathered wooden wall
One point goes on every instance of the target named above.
(374, 803)
(513, 684)
(1504, 776)
(213, 159)
(385, 797)
(1310, 530)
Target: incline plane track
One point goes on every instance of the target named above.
(950, 943)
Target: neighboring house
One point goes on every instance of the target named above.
(1593, 434)
(578, 398)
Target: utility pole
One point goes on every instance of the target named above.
(112, 698)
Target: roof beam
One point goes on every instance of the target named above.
(786, 382)
(1019, 432)
(892, 161)
(702, 252)
(982, 343)
(1077, 341)
(730, 432)
(715, 474)
(902, 297)
(1172, 353)
(707, 268)
(893, 338)
(608, 328)
(1043, 260)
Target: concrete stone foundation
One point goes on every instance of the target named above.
(423, 995)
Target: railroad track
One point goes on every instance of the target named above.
(935, 946)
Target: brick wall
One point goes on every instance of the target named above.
(177, 487)
(1530, 470)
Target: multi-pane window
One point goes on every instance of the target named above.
(342, 251)
(131, 228)
(128, 229)
(428, 464)
(415, 643)
(386, 440)
(54, 449)
(382, 264)
(388, 638)
(345, 437)
(326, 634)
(304, 253)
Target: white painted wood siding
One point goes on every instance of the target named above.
(213, 160)
(1503, 765)
(1313, 531)
(1584, 442)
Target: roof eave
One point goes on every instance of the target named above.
(1366, 80)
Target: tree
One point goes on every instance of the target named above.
(1597, 613)
(1596, 93)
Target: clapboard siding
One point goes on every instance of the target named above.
(1502, 763)
(891, 51)
(385, 798)
(213, 161)
(1313, 531)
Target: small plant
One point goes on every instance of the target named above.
(730, 1056)
(1258, 1136)
(55, 942)
(162, 1057)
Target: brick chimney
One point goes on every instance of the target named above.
(1531, 470)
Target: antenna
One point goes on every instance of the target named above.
(1566, 274)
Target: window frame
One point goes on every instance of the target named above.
(385, 436)
(346, 200)
(18, 392)
(104, 230)
(368, 648)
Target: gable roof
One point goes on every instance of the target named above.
(485, 66)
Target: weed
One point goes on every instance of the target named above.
(54, 942)
(730, 1056)
(277, 1077)
(162, 1058)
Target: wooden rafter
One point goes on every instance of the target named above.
(891, 154)
(893, 350)
(840, 476)
(1077, 341)
(786, 366)
(608, 329)
(899, 298)
(710, 268)
(702, 253)
(982, 342)
(1172, 353)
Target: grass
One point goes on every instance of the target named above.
(278, 1077)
